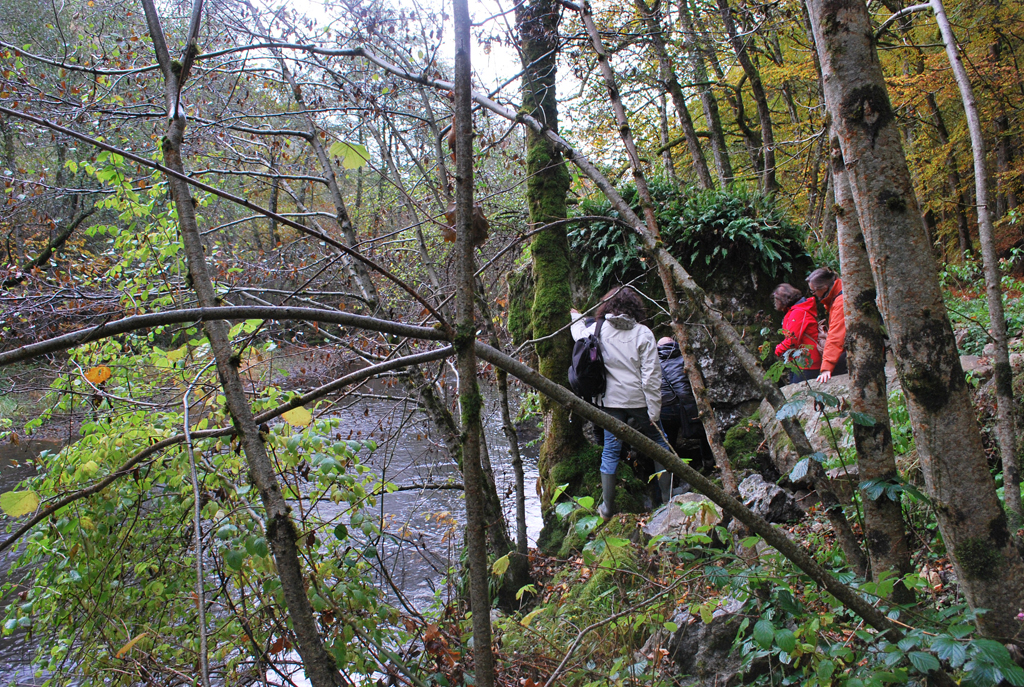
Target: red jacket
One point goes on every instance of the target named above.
(801, 328)
(835, 342)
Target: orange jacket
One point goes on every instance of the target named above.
(835, 341)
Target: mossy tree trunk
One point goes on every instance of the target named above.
(969, 514)
(546, 191)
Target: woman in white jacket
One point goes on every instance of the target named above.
(633, 373)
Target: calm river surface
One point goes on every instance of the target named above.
(428, 523)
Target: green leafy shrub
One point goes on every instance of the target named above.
(702, 229)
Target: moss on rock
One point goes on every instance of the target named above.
(742, 442)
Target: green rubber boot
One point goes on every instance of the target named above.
(607, 508)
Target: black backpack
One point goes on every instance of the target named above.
(586, 374)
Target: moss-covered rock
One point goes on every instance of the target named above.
(582, 475)
(742, 442)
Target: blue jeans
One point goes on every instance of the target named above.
(612, 445)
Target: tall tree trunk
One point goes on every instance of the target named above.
(465, 339)
(667, 75)
(961, 199)
(547, 186)
(768, 181)
(281, 532)
(275, 192)
(884, 528)
(1005, 188)
(970, 516)
(693, 45)
(10, 159)
(1005, 431)
(666, 149)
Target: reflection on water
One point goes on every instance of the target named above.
(16, 651)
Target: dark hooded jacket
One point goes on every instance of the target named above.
(675, 384)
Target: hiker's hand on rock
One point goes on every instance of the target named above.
(825, 376)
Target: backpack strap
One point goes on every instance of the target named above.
(597, 329)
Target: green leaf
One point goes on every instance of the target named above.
(18, 503)
(671, 626)
(234, 558)
(353, 155)
(786, 640)
(586, 502)
(526, 589)
(587, 524)
(500, 566)
(563, 509)
(862, 419)
(825, 669)
(616, 542)
(950, 650)
(799, 470)
(924, 663)
(341, 532)
(791, 409)
(764, 633)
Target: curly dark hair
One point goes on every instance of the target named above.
(623, 300)
(785, 296)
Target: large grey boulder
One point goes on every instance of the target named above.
(705, 650)
(768, 500)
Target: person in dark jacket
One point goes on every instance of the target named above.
(679, 415)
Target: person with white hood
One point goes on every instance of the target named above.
(633, 377)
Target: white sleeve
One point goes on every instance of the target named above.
(650, 372)
(578, 328)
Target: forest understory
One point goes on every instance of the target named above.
(285, 303)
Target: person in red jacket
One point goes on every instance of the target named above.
(800, 325)
(827, 287)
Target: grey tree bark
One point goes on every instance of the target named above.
(768, 181)
(666, 149)
(1006, 433)
(970, 516)
(693, 45)
(884, 528)
(667, 75)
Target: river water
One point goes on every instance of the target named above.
(426, 524)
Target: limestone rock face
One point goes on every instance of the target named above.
(823, 435)
(672, 522)
(768, 500)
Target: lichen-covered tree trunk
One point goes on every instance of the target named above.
(970, 516)
(465, 338)
(884, 528)
(548, 183)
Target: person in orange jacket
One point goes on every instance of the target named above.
(800, 325)
(827, 287)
